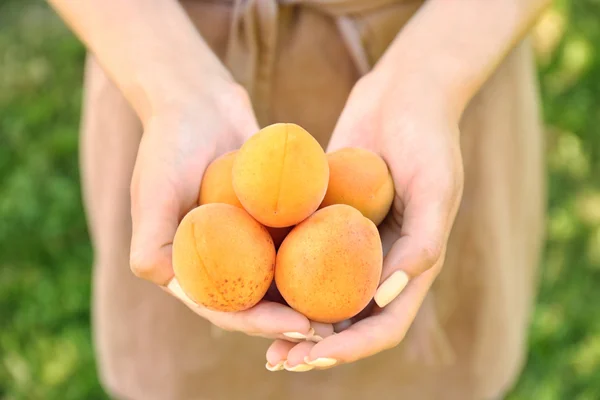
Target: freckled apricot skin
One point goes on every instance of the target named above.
(217, 187)
(360, 178)
(223, 258)
(329, 266)
(280, 175)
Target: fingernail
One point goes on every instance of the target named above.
(321, 362)
(315, 338)
(297, 368)
(178, 292)
(298, 335)
(391, 288)
(276, 367)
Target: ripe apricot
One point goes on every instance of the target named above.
(216, 186)
(329, 266)
(361, 179)
(223, 258)
(280, 175)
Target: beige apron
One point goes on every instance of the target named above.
(299, 61)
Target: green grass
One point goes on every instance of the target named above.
(45, 256)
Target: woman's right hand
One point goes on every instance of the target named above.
(178, 143)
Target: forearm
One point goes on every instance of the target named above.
(456, 45)
(150, 48)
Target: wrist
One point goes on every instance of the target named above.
(407, 94)
(439, 83)
(168, 87)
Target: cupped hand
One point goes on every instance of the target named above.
(414, 129)
(178, 143)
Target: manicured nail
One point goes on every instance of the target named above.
(298, 335)
(315, 338)
(321, 362)
(178, 292)
(297, 368)
(391, 288)
(276, 367)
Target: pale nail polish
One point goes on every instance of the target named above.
(321, 362)
(297, 368)
(178, 292)
(295, 335)
(298, 335)
(276, 367)
(391, 288)
(315, 338)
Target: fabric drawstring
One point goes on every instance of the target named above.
(252, 47)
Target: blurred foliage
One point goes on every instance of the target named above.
(45, 256)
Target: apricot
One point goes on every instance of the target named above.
(329, 266)
(223, 258)
(361, 179)
(216, 186)
(280, 175)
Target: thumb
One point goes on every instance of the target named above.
(165, 184)
(155, 212)
(426, 222)
(354, 128)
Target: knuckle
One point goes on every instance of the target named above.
(399, 338)
(142, 266)
(236, 94)
(431, 253)
(364, 83)
(392, 342)
(449, 186)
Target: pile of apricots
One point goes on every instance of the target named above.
(280, 212)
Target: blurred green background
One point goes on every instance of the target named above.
(45, 257)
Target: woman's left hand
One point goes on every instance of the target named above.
(413, 127)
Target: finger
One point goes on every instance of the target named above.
(374, 334)
(366, 312)
(277, 354)
(342, 326)
(266, 319)
(155, 213)
(354, 126)
(425, 227)
(321, 331)
(165, 184)
(295, 358)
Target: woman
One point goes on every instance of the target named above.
(436, 88)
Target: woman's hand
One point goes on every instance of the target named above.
(407, 109)
(178, 143)
(412, 128)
